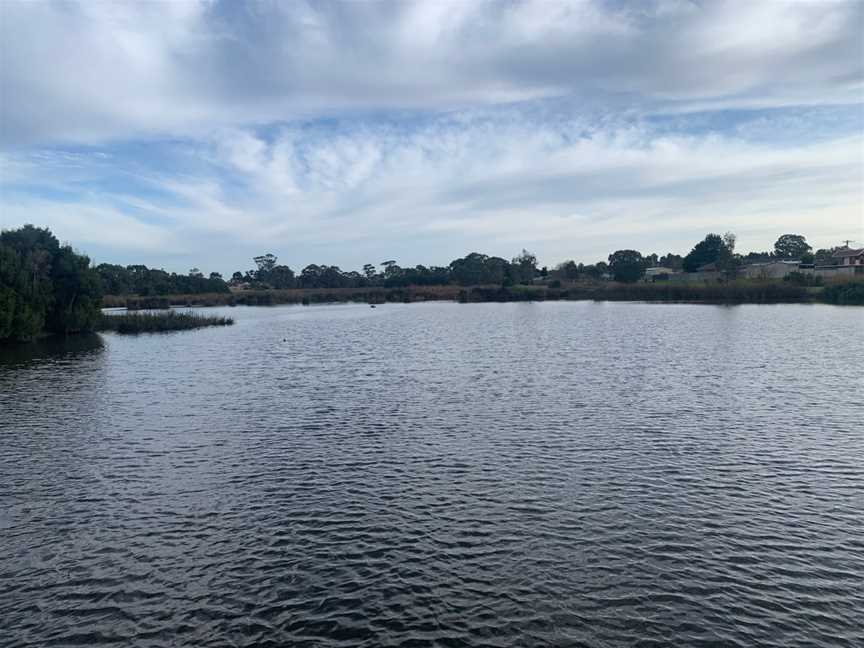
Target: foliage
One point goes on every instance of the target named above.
(157, 322)
(44, 287)
(825, 256)
(596, 270)
(626, 265)
(803, 279)
(671, 261)
(477, 269)
(791, 246)
(523, 268)
(144, 281)
(712, 249)
(848, 293)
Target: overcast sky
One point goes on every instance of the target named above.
(187, 133)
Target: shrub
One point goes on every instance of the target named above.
(803, 279)
(845, 293)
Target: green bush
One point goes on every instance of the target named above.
(803, 279)
(845, 293)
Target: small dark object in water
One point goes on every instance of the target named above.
(371, 305)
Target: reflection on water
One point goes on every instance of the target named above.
(51, 349)
(440, 475)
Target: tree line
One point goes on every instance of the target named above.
(48, 287)
(148, 282)
(478, 269)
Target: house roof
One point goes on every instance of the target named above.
(785, 262)
(844, 252)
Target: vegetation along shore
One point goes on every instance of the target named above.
(48, 288)
(158, 322)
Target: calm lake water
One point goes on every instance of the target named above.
(548, 474)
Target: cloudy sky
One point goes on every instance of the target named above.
(202, 133)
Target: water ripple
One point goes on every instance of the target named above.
(571, 474)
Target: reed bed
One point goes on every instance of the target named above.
(159, 322)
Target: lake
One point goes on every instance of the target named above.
(440, 474)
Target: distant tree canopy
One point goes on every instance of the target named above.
(476, 269)
(523, 268)
(825, 256)
(712, 249)
(144, 281)
(473, 269)
(627, 265)
(791, 246)
(44, 287)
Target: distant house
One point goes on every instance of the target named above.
(847, 256)
(770, 270)
(849, 262)
(658, 274)
(707, 272)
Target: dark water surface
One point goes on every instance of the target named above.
(567, 474)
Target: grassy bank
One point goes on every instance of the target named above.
(287, 296)
(159, 322)
(716, 293)
(734, 292)
(851, 293)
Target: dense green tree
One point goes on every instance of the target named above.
(712, 249)
(116, 280)
(523, 268)
(77, 293)
(757, 257)
(417, 276)
(265, 263)
(144, 281)
(566, 271)
(323, 276)
(791, 246)
(627, 265)
(390, 268)
(44, 287)
(595, 270)
(671, 261)
(477, 269)
(825, 256)
(281, 276)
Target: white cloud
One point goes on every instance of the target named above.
(204, 132)
(87, 223)
(498, 186)
(91, 71)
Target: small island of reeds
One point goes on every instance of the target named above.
(159, 322)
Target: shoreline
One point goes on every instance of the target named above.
(738, 292)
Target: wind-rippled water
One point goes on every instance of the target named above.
(552, 474)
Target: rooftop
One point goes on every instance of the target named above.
(847, 252)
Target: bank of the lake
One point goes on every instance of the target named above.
(734, 292)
